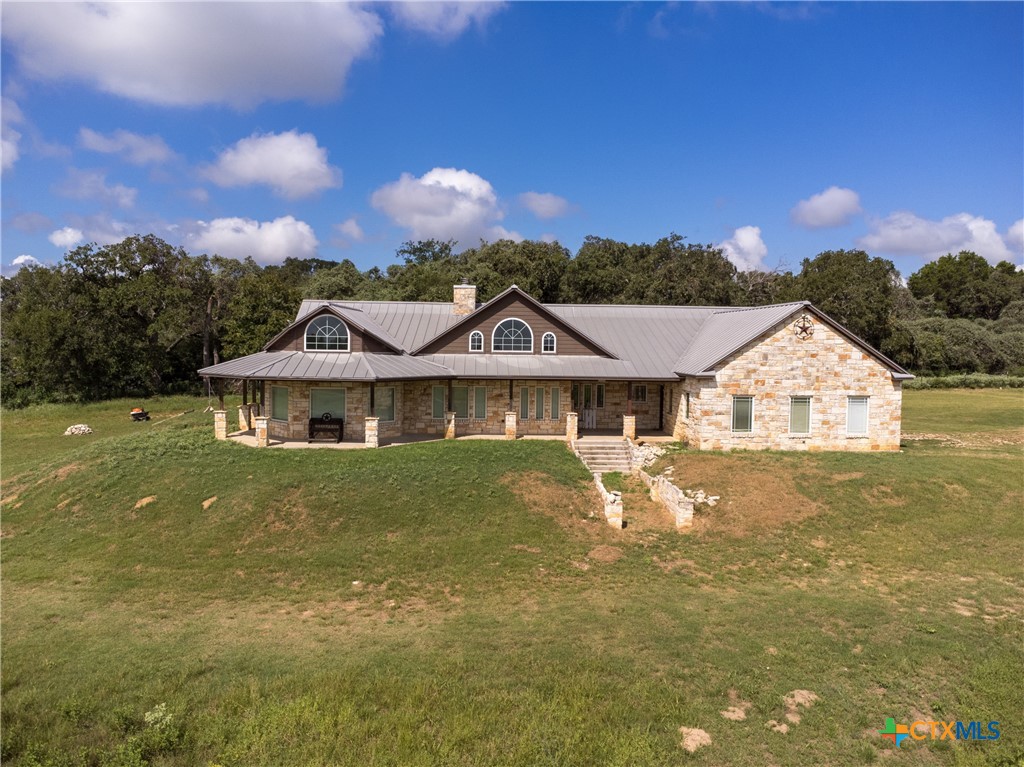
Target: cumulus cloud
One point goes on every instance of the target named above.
(544, 204)
(351, 229)
(26, 260)
(904, 232)
(268, 242)
(92, 185)
(292, 164)
(443, 20)
(745, 248)
(66, 237)
(443, 204)
(10, 115)
(833, 207)
(136, 149)
(188, 54)
(1015, 237)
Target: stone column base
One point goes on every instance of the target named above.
(572, 427)
(262, 432)
(243, 418)
(370, 431)
(220, 424)
(629, 426)
(449, 425)
(510, 424)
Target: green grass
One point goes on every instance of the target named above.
(455, 603)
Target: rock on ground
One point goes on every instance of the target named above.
(78, 428)
(694, 738)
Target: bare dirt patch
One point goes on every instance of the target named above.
(883, 495)
(756, 494)
(571, 509)
(209, 502)
(605, 554)
(527, 549)
(964, 607)
(693, 738)
(737, 712)
(66, 471)
(796, 700)
(971, 440)
(774, 726)
(142, 502)
(847, 476)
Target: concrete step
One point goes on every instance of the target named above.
(612, 454)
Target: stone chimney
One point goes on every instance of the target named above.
(465, 299)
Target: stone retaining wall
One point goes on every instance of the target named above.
(671, 497)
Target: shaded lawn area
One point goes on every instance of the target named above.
(455, 603)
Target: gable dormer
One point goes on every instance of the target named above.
(328, 330)
(513, 323)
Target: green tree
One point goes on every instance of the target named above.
(967, 286)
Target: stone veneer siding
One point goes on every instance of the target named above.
(826, 367)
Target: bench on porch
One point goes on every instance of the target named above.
(327, 424)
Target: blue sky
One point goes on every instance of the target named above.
(272, 129)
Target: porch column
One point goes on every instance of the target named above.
(449, 425)
(220, 424)
(373, 401)
(220, 395)
(510, 424)
(263, 394)
(629, 426)
(370, 431)
(243, 409)
(262, 432)
(572, 427)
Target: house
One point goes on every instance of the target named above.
(784, 377)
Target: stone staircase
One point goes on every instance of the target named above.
(605, 454)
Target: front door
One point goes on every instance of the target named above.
(584, 403)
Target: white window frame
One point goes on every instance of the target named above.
(476, 390)
(544, 343)
(473, 335)
(867, 415)
(287, 396)
(394, 403)
(810, 414)
(326, 388)
(638, 388)
(732, 415)
(515, 351)
(332, 318)
(555, 413)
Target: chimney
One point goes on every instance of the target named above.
(465, 299)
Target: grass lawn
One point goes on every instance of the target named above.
(172, 600)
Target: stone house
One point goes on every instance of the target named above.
(785, 377)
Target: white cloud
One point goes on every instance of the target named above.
(544, 204)
(187, 54)
(198, 194)
(549, 237)
(745, 248)
(351, 229)
(10, 115)
(31, 222)
(136, 149)
(904, 232)
(1015, 238)
(833, 207)
(26, 260)
(443, 20)
(268, 242)
(292, 164)
(443, 204)
(92, 185)
(66, 237)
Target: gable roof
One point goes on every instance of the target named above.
(514, 290)
(350, 315)
(355, 366)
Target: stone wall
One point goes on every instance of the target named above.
(610, 416)
(825, 367)
(357, 398)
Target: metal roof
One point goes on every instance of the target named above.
(357, 366)
(410, 323)
(535, 366)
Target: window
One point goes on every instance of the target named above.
(384, 403)
(480, 402)
(512, 336)
(547, 343)
(743, 414)
(326, 334)
(437, 402)
(327, 401)
(671, 397)
(279, 403)
(538, 403)
(524, 404)
(857, 416)
(799, 415)
(600, 396)
(686, 405)
(460, 401)
(640, 393)
(555, 394)
(476, 341)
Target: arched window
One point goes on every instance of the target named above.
(512, 335)
(476, 341)
(326, 334)
(547, 343)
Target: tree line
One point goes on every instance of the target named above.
(138, 317)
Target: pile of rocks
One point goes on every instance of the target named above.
(699, 496)
(78, 428)
(645, 454)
